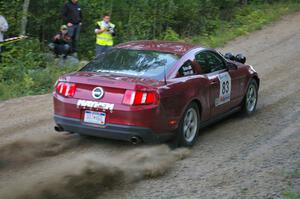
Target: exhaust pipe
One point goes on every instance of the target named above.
(135, 140)
(58, 128)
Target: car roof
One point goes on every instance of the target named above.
(179, 48)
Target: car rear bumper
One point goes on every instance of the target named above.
(111, 131)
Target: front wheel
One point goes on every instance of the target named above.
(250, 100)
(188, 129)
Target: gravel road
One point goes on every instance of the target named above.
(256, 157)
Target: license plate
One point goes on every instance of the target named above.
(94, 117)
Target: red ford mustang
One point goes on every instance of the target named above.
(154, 90)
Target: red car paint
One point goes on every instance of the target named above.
(173, 95)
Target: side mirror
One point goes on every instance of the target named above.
(229, 56)
(231, 66)
(240, 58)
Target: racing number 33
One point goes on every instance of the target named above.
(225, 89)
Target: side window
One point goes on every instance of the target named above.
(209, 62)
(186, 69)
(202, 61)
(215, 62)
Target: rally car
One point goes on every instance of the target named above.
(148, 91)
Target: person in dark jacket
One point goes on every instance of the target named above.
(61, 42)
(72, 16)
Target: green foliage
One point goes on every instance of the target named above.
(26, 70)
(12, 12)
(244, 20)
(147, 19)
(291, 195)
(170, 35)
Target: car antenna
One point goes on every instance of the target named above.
(165, 75)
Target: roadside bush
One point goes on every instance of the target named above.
(170, 35)
(244, 20)
(26, 71)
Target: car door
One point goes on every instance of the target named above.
(220, 81)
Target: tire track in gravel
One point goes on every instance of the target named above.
(16, 128)
(245, 157)
(25, 113)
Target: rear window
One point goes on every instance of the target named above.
(149, 64)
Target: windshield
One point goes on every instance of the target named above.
(149, 64)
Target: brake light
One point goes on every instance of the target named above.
(140, 98)
(66, 89)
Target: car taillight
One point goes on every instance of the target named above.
(66, 89)
(140, 98)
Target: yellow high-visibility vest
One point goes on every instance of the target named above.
(105, 38)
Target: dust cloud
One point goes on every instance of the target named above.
(89, 175)
(25, 151)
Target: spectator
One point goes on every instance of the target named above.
(72, 16)
(61, 42)
(105, 31)
(3, 28)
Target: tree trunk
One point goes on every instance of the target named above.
(24, 16)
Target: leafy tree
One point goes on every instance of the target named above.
(26, 68)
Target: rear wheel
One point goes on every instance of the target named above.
(188, 129)
(250, 100)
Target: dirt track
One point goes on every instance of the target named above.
(237, 158)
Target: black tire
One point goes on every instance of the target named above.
(249, 105)
(181, 139)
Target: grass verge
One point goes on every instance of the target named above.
(292, 193)
(26, 71)
(245, 21)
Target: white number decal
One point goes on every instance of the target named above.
(225, 89)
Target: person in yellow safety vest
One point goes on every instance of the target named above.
(105, 31)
